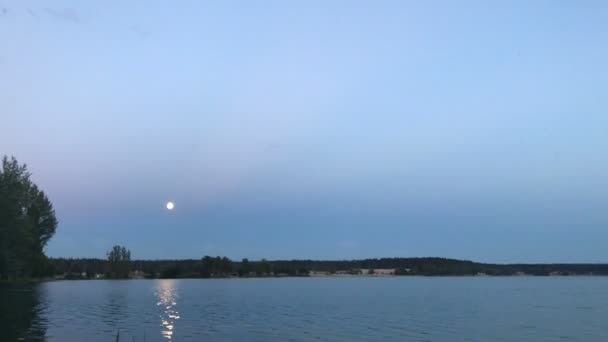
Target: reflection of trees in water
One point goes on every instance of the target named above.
(115, 311)
(21, 313)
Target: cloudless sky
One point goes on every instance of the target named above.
(313, 129)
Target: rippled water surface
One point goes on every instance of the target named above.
(304, 309)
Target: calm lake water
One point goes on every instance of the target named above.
(306, 309)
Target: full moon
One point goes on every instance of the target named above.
(170, 205)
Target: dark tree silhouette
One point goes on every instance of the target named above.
(27, 223)
(119, 262)
(245, 268)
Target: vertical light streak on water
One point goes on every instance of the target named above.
(167, 296)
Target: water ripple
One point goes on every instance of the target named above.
(370, 309)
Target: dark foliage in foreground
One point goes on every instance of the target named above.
(27, 223)
(215, 267)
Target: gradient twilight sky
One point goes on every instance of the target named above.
(313, 129)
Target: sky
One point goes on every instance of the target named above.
(313, 129)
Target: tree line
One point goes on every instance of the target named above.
(220, 267)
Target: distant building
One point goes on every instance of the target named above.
(381, 271)
(138, 274)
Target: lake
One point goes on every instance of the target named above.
(307, 309)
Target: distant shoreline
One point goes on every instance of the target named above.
(34, 282)
(22, 282)
(223, 267)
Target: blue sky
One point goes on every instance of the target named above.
(313, 129)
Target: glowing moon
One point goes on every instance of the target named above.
(170, 205)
